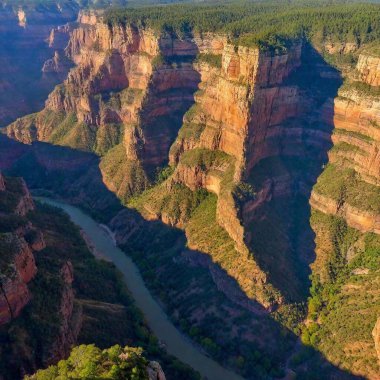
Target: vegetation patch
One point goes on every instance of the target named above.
(89, 361)
(10, 198)
(191, 131)
(177, 202)
(122, 176)
(357, 135)
(269, 25)
(108, 136)
(64, 125)
(361, 88)
(372, 49)
(205, 158)
(345, 185)
(116, 100)
(214, 60)
(347, 148)
(345, 295)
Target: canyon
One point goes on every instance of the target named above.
(255, 174)
(23, 34)
(44, 287)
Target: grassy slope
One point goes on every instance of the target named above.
(345, 185)
(345, 301)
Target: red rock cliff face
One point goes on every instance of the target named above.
(18, 266)
(127, 94)
(15, 294)
(20, 243)
(368, 67)
(356, 140)
(126, 80)
(238, 106)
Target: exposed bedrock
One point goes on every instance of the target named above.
(368, 67)
(290, 134)
(17, 261)
(23, 35)
(354, 160)
(25, 264)
(220, 115)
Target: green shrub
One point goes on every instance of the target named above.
(89, 362)
(163, 174)
(204, 158)
(345, 185)
(362, 88)
(268, 25)
(214, 60)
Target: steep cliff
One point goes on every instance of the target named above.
(125, 100)
(18, 241)
(274, 132)
(23, 278)
(121, 85)
(345, 219)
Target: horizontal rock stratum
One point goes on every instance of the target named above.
(275, 151)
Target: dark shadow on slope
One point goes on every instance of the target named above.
(180, 278)
(279, 231)
(212, 309)
(64, 172)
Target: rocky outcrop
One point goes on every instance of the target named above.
(340, 47)
(357, 218)
(17, 244)
(58, 64)
(25, 203)
(20, 270)
(155, 371)
(356, 140)
(129, 79)
(368, 67)
(253, 108)
(70, 317)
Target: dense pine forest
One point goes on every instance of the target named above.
(267, 24)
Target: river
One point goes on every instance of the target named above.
(176, 343)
